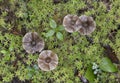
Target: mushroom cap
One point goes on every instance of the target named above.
(32, 42)
(47, 60)
(87, 25)
(69, 22)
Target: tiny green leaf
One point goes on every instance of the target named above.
(53, 24)
(59, 36)
(89, 74)
(50, 33)
(3, 51)
(61, 28)
(107, 65)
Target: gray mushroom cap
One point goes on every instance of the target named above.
(47, 60)
(69, 22)
(86, 24)
(32, 42)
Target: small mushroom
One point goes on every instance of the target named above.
(87, 25)
(69, 22)
(32, 42)
(47, 60)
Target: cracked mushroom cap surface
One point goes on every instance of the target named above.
(69, 22)
(32, 42)
(47, 60)
(87, 25)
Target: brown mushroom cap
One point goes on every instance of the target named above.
(87, 25)
(32, 42)
(47, 60)
(69, 22)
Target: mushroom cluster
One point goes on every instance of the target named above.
(83, 24)
(47, 60)
(32, 42)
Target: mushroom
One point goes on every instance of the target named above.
(69, 22)
(86, 24)
(32, 42)
(47, 60)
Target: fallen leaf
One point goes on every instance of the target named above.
(107, 65)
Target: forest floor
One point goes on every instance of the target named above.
(76, 52)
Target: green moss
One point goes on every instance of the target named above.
(74, 51)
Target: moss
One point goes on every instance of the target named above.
(75, 51)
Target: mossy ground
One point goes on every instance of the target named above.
(20, 16)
